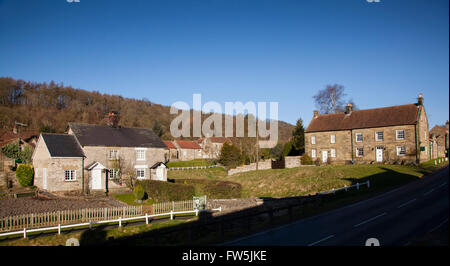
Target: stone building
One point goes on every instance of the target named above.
(396, 134)
(173, 151)
(439, 138)
(188, 150)
(96, 156)
(211, 146)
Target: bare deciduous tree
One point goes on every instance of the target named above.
(331, 100)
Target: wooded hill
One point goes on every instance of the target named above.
(52, 106)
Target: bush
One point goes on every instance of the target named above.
(306, 160)
(139, 192)
(214, 189)
(162, 191)
(230, 156)
(25, 174)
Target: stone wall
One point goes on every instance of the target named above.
(266, 164)
(292, 161)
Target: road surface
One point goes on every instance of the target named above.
(394, 218)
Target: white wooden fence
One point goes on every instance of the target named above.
(36, 220)
(164, 207)
(25, 230)
(357, 185)
(192, 167)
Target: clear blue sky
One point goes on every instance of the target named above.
(235, 50)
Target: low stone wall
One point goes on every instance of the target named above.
(292, 161)
(266, 164)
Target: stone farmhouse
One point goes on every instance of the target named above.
(93, 157)
(188, 150)
(396, 134)
(211, 146)
(439, 139)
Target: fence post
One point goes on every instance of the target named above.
(59, 229)
(146, 218)
(171, 215)
(357, 186)
(120, 222)
(368, 183)
(24, 233)
(173, 206)
(196, 212)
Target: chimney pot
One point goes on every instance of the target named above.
(113, 119)
(420, 99)
(315, 113)
(349, 108)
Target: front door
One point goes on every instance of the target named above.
(44, 178)
(324, 156)
(379, 154)
(96, 179)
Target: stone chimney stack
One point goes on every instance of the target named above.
(113, 119)
(315, 113)
(420, 99)
(349, 109)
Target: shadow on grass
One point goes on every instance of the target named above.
(213, 229)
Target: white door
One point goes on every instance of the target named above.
(324, 156)
(379, 154)
(159, 173)
(44, 178)
(96, 179)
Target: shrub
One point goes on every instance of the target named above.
(230, 156)
(306, 160)
(24, 174)
(162, 191)
(139, 192)
(214, 189)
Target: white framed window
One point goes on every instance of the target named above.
(333, 138)
(112, 174)
(140, 173)
(313, 153)
(379, 136)
(113, 154)
(359, 137)
(400, 134)
(140, 154)
(333, 153)
(313, 139)
(70, 175)
(401, 150)
(359, 152)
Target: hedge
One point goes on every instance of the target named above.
(214, 189)
(24, 174)
(162, 191)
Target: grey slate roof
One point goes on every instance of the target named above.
(62, 145)
(98, 135)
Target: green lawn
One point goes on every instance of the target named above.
(310, 180)
(196, 162)
(129, 199)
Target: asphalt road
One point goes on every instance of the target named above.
(394, 218)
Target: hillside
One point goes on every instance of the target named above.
(54, 105)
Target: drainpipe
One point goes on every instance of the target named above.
(351, 143)
(82, 176)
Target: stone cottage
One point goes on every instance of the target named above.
(173, 151)
(188, 150)
(439, 138)
(95, 157)
(211, 146)
(396, 134)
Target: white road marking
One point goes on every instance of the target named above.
(406, 203)
(443, 184)
(431, 190)
(321, 240)
(369, 220)
(439, 225)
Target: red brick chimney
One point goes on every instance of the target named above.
(315, 113)
(113, 119)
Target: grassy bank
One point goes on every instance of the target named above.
(196, 162)
(310, 180)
